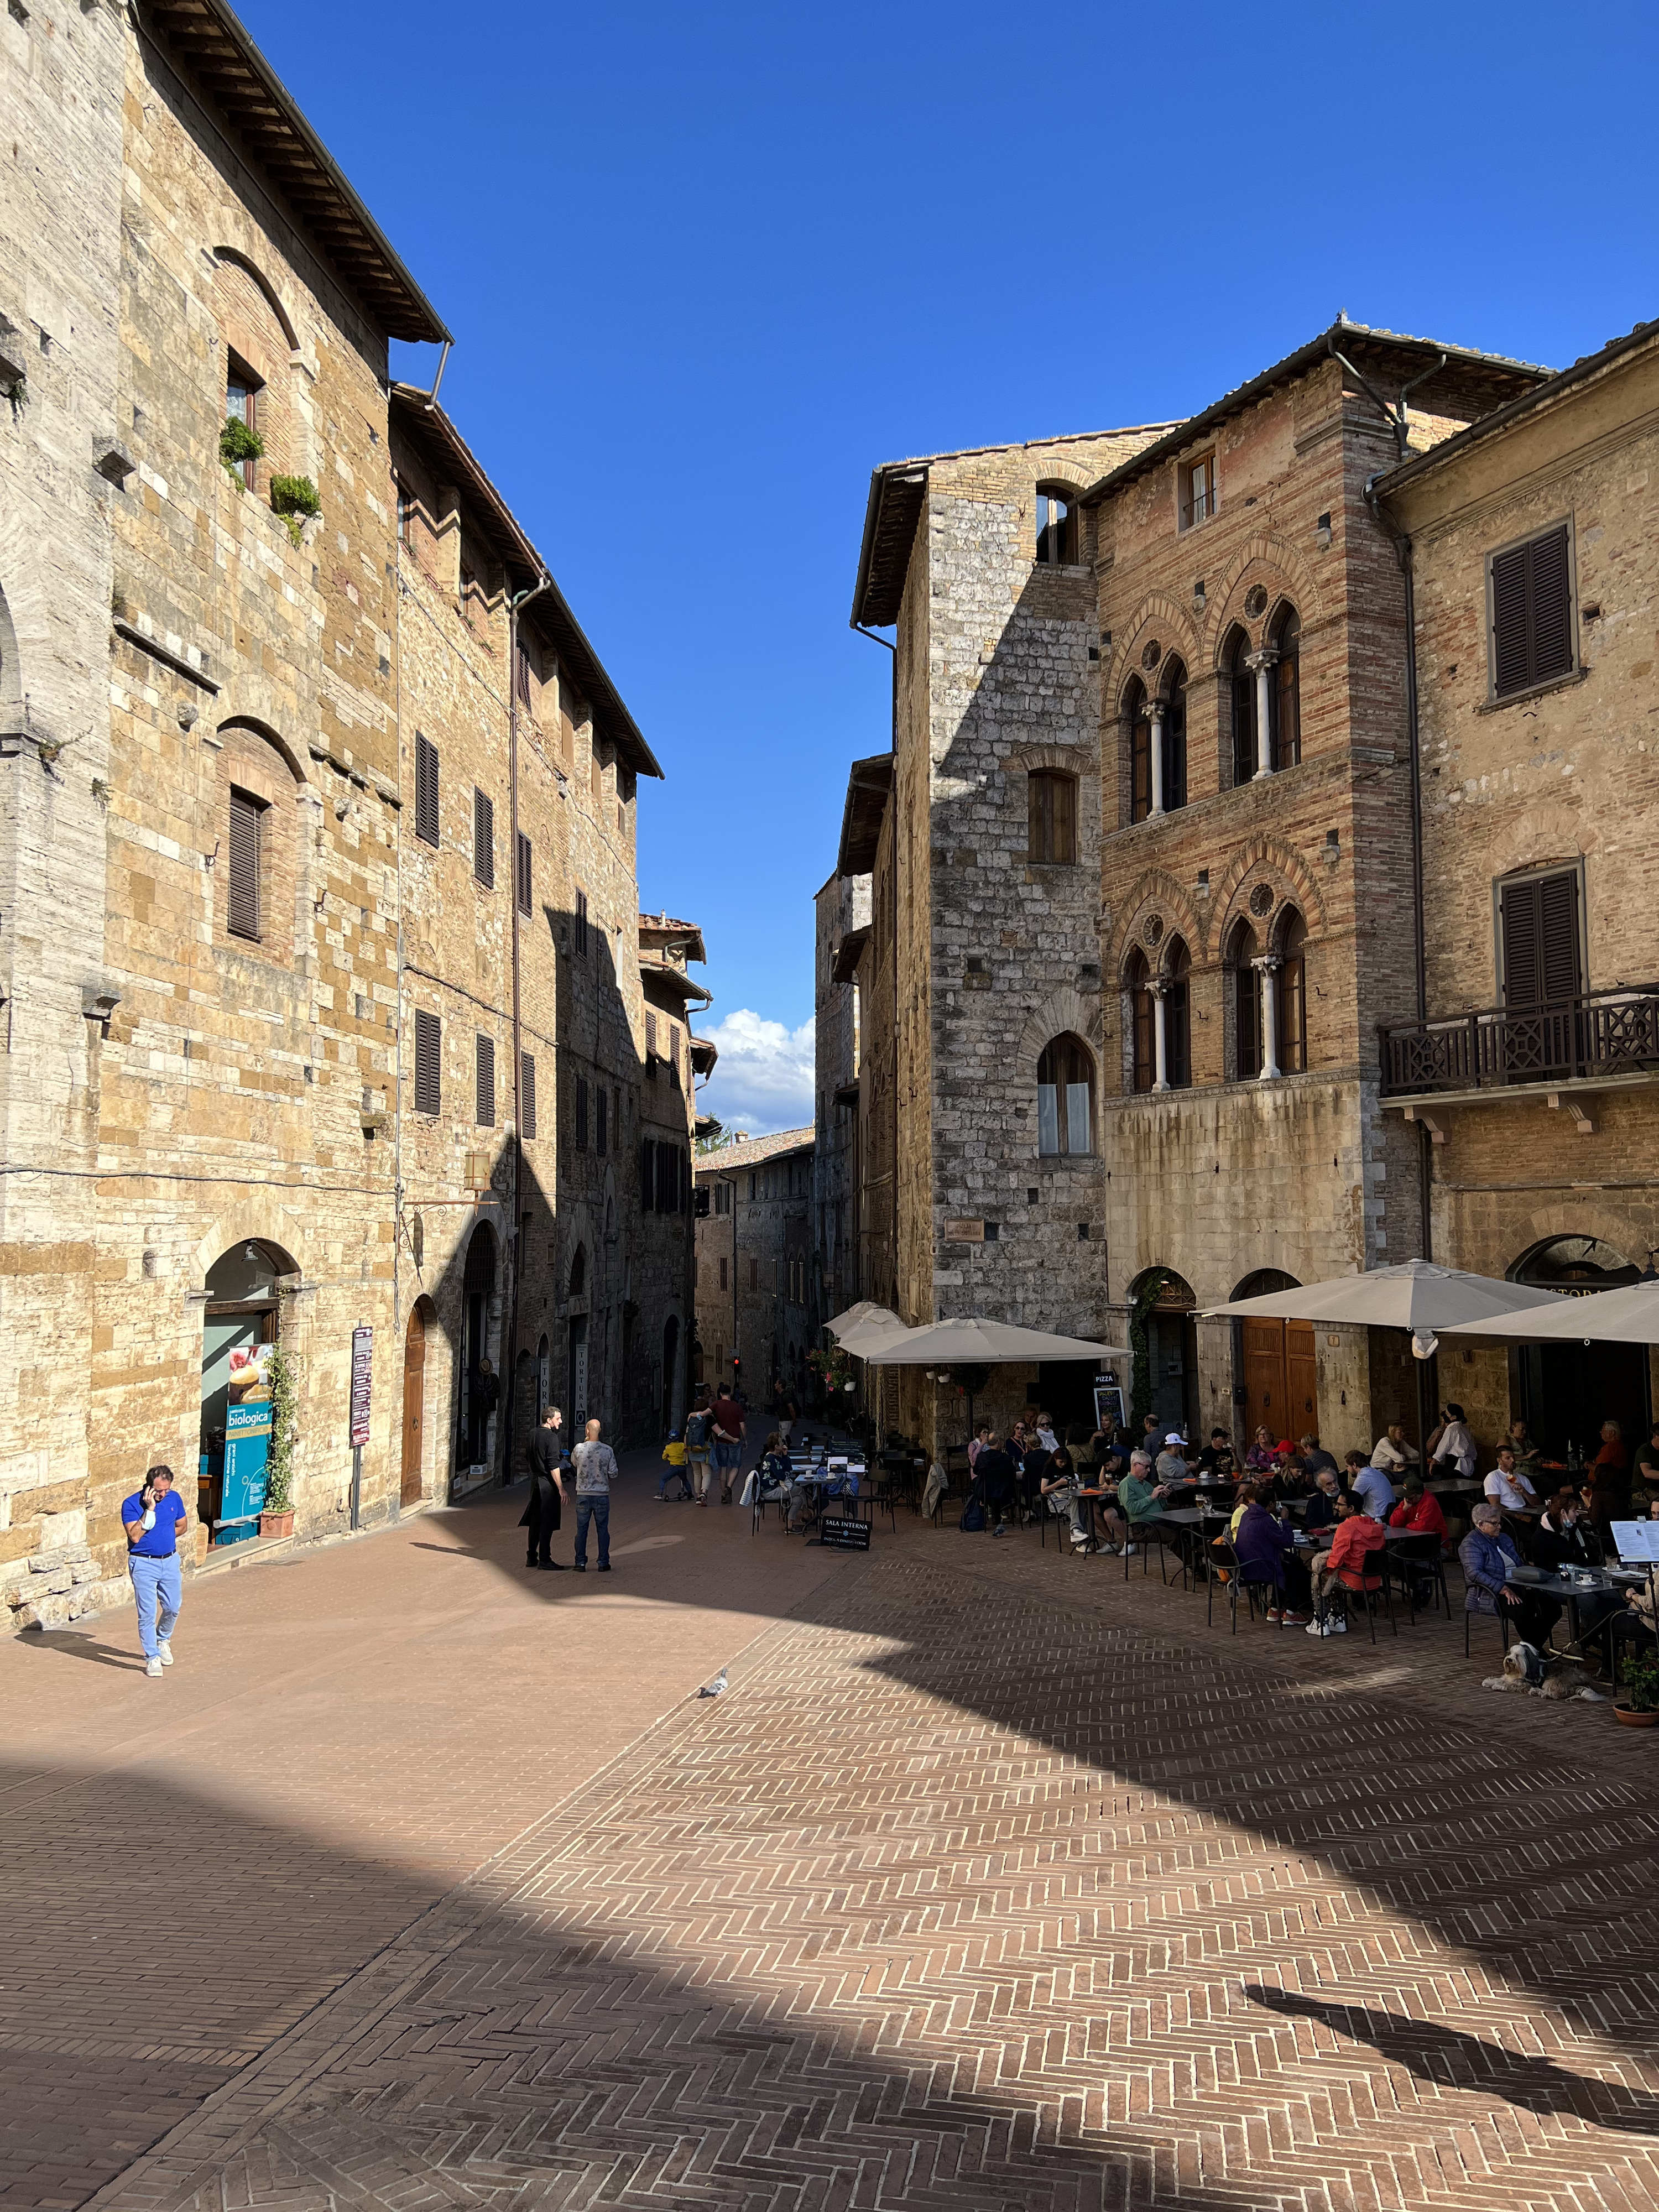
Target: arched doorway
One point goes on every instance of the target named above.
(238, 1330)
(672, 1410)
(1277, 1364)
(1165, 1304)
(1564, 1392)
(478, 1397)
(410, 1487)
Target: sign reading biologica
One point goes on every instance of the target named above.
(362, 1368)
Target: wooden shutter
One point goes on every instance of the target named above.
(1538, 918)
(523, 674)
(581, 925)
(581, 1113)
(1287, 708)
(1531, 613)
(527, 1092)
(524, 865)
(648, 1171)
(486, 1071)
(242, 875)
(1141, 770)
(426, 790)
(1247, 1023)
(1244, 727)
(1293, 1015)
(483, 840)
(1144, 1043)
(1174, 752)
(600, 1131)
(650, 1035)
(1037, 823)
(429, 1061)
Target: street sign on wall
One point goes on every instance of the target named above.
(363, 1367)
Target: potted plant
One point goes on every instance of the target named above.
(237, 446)
(1639, 1673)
(276, 1515)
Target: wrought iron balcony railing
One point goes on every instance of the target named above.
(1601, 1034)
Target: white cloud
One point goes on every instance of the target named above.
(762, 1080)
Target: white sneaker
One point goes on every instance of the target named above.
(1129, 1551)
(153, 1666)
(1340, 1626)
(1317, 1628)
(164, 1651)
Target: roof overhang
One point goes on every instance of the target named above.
(656, 930)
(447, 454)
(674, 978)
(890, 515)
(704, 1053)
(849, 953)
(214, 53)
(1466, 379)
(869, 782)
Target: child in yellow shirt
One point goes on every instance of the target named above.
(673, 1453)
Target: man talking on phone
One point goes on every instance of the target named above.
(154, 1518)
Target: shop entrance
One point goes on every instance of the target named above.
(238, 1332)
(409, 1488)
(1564, 1392)
(479, 1387)
(1171, 1353)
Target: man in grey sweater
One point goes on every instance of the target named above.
(596, 1470)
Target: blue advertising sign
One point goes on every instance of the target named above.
(248, 1449)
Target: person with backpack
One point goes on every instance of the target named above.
(699, 1442)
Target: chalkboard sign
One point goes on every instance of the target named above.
(844, 1534)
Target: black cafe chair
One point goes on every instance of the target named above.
(1410, 1562)
(1498, 1615)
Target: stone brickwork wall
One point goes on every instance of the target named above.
(61, 90)
(766, 1241)
(842, 906)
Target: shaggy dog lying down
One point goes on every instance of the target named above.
(1525, 1669)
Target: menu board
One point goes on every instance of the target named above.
(363, 1367)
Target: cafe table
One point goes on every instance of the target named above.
(1572, 1588)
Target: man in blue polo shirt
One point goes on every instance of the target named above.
(154, 1518)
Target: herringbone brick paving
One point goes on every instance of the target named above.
(997, 1883)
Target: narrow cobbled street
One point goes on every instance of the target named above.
(996, 1880)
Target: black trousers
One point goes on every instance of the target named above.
(541, 1518)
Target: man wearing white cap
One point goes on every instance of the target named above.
(1172, 1468)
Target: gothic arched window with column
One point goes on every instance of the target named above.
(1065, 1074)
(1286, 643)
(1138, 985)
(1245, 989)
(1292, 989)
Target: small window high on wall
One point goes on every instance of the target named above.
(1532, 612)
(1065, 1084)
(1056, 526)
(242, 390)
(242, 885)
(1051, 806)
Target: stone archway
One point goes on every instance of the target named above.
(240, 1323)
(1564, 1392)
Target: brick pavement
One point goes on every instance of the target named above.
(994, 1882)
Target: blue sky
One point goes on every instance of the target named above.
(707, 267)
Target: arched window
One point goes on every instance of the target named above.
(1292, 995)
(1138, 982)
(1065, 1074)
(1138, 725)
(579, 1272)
(1175, 735)
(1057, 525)
(1051, 807)
(1241, 684)
(1287, 689)
(1177, 1015)
(1245, 991)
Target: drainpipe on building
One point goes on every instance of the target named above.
(515, 603)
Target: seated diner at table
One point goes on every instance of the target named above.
(1264, 1450)
(1418, 1511)
(1320, 1511)
(1171, 1466)
(1508, 1487)
(1644, 1475)
(1528, 1454)
(994, 1482)
(1057, 1486)
(1350, 1563)
(1315, 1456)
(1391, 1452)
(1486, 1555)
(1218, 1462)
(1140, 1500)
(1371, 1483)
(1265, 1547)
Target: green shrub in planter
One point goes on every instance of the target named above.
(295, 498)
(284, 1409)
(1639, 1673)
(237, 444)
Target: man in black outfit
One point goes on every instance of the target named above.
(541, 1514)
(994, 1479)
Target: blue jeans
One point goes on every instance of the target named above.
(671, 1471)
(155, 1581)
(596, 1509)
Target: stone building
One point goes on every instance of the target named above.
(313, 778)
(842, 916)
(758, 1310)
(1528, 1064)
(1142, 890)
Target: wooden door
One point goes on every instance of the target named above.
(1269, 1402)
(414, 1408)
(1301, 1379)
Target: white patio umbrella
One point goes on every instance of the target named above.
(973, 1343)
(861, 1338)
(862, 1309)
(1416, 1295)
(1629, 1315)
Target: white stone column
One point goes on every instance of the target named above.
(1155, 717)
(1159, 990)
(1262, 665)
(1267, 969)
